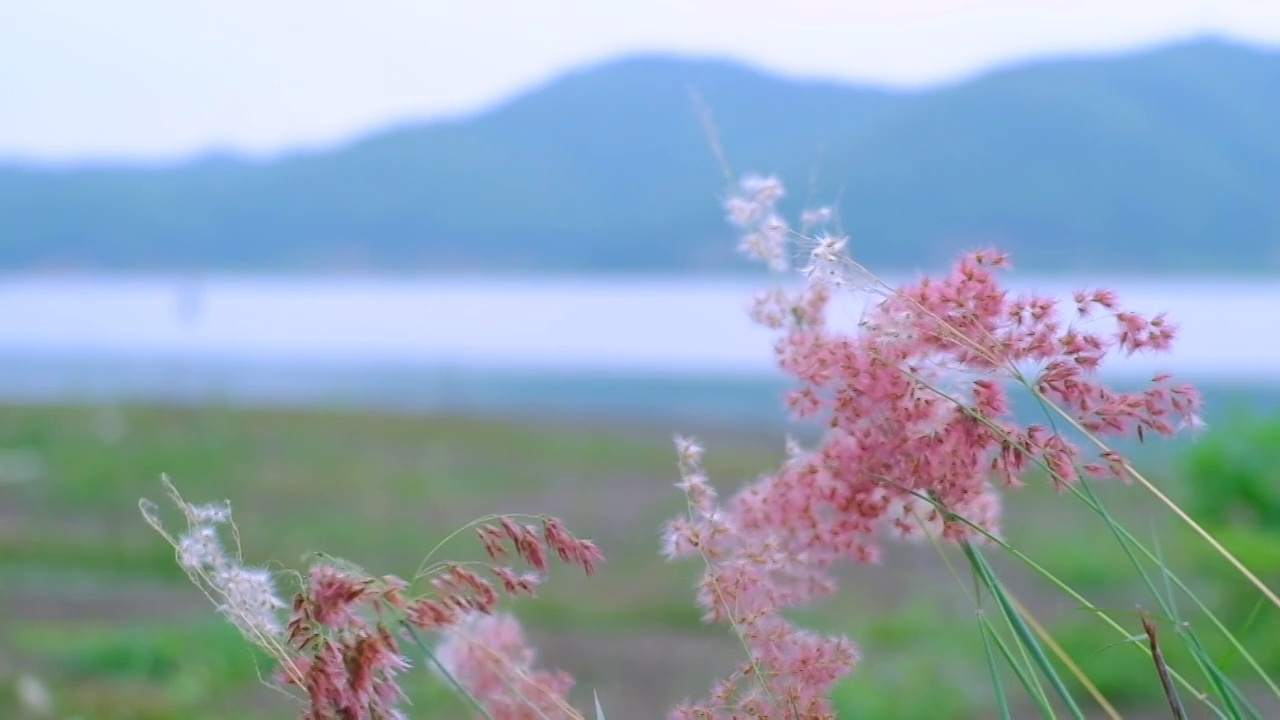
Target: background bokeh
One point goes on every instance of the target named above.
(371, 270)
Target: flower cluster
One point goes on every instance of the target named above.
(341, 642)
(919, 432)
(245, 595)
(750, 579)
(488, 655)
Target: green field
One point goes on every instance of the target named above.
(92, 603)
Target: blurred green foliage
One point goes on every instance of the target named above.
(97, 608)
(1233, 489)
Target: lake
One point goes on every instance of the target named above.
(656, 347)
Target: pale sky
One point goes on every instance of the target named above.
(154, 79)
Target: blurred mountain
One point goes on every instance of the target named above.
(1164, 160)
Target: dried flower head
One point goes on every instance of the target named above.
(341, 642)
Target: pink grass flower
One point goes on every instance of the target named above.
(489, 656)
(919, 432)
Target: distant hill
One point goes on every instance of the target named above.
(1166, 160)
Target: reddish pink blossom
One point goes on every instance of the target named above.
(344, 634)
(490, 658)
(918, 427)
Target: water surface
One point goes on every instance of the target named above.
(655, 347)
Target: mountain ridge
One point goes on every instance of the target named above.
(1148, 161)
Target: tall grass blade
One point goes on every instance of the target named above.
(1025, 637)
(996, 683)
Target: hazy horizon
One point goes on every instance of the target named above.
(214, 152)
(149, 82)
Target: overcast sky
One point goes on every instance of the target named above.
(159, 78)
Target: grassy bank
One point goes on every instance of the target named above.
(95, 606)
